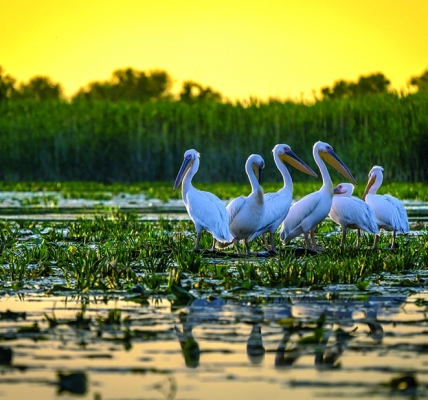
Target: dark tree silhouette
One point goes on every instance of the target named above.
(7, 85)
(129, 84)
(421, 82)
(192, 92)
(39, 88)
(370, 84)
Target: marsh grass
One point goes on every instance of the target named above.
(129, 141)
(121, 252)
(163, 190)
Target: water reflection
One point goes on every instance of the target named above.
(310, 345)
(320, 328)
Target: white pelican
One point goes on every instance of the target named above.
(205, 209)
(277, 204)
(351, 212)
(310, 210)
(245, 212)
(390, 213)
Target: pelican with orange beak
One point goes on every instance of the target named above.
(277, 204)
(309, 211)
(350, 212)
(390, 213)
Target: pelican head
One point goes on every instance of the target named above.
(345, 189)
(375, 180)
(256, 163)
(327, 153)
(189, 158)
(285, 154)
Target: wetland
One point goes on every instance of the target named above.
(102, 297)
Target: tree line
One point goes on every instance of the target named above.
(129, 84)
(126, 84)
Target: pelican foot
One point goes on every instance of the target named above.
(317, 249)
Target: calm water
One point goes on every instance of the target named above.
(217, 348)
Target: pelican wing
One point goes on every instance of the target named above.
(387, 211)
(276, 206)
(208, 212)
(390, 213)
(234, 207)
(354, 213)
(301, 216)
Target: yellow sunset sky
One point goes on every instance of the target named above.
(242, 48)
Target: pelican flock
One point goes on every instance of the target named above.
(247, 217)
(309, 211)
(350, 212)
(277, 204)
(205, 209)
(390, 213)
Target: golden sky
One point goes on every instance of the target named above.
(242, 48)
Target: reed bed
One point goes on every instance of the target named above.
(144, 142)
(121, 252)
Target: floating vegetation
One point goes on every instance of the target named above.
(121, 251)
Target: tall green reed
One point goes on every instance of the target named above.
(135, 142)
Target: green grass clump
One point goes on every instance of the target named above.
(121, 252)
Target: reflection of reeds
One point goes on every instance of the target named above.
(131, 141)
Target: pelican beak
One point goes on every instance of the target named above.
(183, 169)
(295, 161)
(336, 190)
(332, 158)
(258, 172)
(370, 183)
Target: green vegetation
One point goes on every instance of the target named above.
(163, 190)
(111, 142)
(120, 252)
(131, 128)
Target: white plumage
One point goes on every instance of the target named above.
(390, 213)
(309, 211)
(277, 204)
(245, 212)
(350, 212)
(205, 209)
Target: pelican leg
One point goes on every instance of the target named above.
(198, 238)
(358, 237)
(265, 241)
(393, 240)
(213, 246)
(308, 246)
(236, 243)
(247, 246)
(342, 243)
(272, 242)
(376, 241)
(314, 242)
